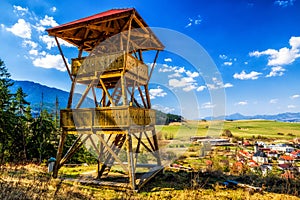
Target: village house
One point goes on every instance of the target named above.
(283, 148)
(273, 154)
(295, 154)
(285, 159)
(260, 157)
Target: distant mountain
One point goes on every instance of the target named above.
(285, 117)
(35, 91)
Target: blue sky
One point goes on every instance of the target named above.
(254, 44)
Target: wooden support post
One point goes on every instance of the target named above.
(70, 100)
(63, 57)
(124, 92)
(138, 147)
(149, 141)
(131, 166)
(147, 96)
(95, 97)
(85, 93)
(59, 153)
(103, 100)
(114, 155)
(142, 97)
(153, 65)
(106, 92)
(155, 140)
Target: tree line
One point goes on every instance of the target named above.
(24, 138)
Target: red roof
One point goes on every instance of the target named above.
(286, 157)
(96, 16)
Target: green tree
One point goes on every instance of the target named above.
(42, 141)
(6, 114)
(21, 129)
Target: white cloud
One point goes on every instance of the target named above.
(273, 101)
(29, 43)
(168, 59)
(48, 21)
(192, 74)
(228, 63)
(224, 57)
(19, 8)
(244, 76)
(33, 52)
(242, 103)
(217, 84)
(50, 41)
(283, 56)
(53, 9)
(276, 71)
(175, 75)
(50, 62)
(164, 109)
(291, 106)
(228, 85)
(295, 96)
(183, 82)
(201, 88)
(207, 105)
(284, 3)
(21, 29)
(189, 87)
(195, 21)
(20, 11)
(157, 92)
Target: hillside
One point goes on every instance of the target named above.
(35, 91)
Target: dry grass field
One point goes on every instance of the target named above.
(33, 182)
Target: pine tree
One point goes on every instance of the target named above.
(21, 129)
(6, 115)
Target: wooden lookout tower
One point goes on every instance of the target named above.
(120, 124)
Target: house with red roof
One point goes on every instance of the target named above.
(286, 159)
(295, 154)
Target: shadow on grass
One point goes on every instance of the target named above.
(209, 180)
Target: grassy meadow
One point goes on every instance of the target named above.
(33, 182)
(240, 128)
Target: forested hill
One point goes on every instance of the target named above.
(40, 95)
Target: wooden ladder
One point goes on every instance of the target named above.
(109, 161)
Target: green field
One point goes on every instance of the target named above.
(240, 128)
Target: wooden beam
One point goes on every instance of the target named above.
(155, 140)
(142, 97)
(70, 99)
(106, 91)
(63, 57)
(153, 65)
(59, 153)
(149, 141)
(82, 45)
(101, 28)
(140, 24)
(112, 153)
(147, 96)
(85, 94)
(130, 162)
(146, 147)
(124, 92)
(95, 97)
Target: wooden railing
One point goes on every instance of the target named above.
(106, 63)
(121, 117)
